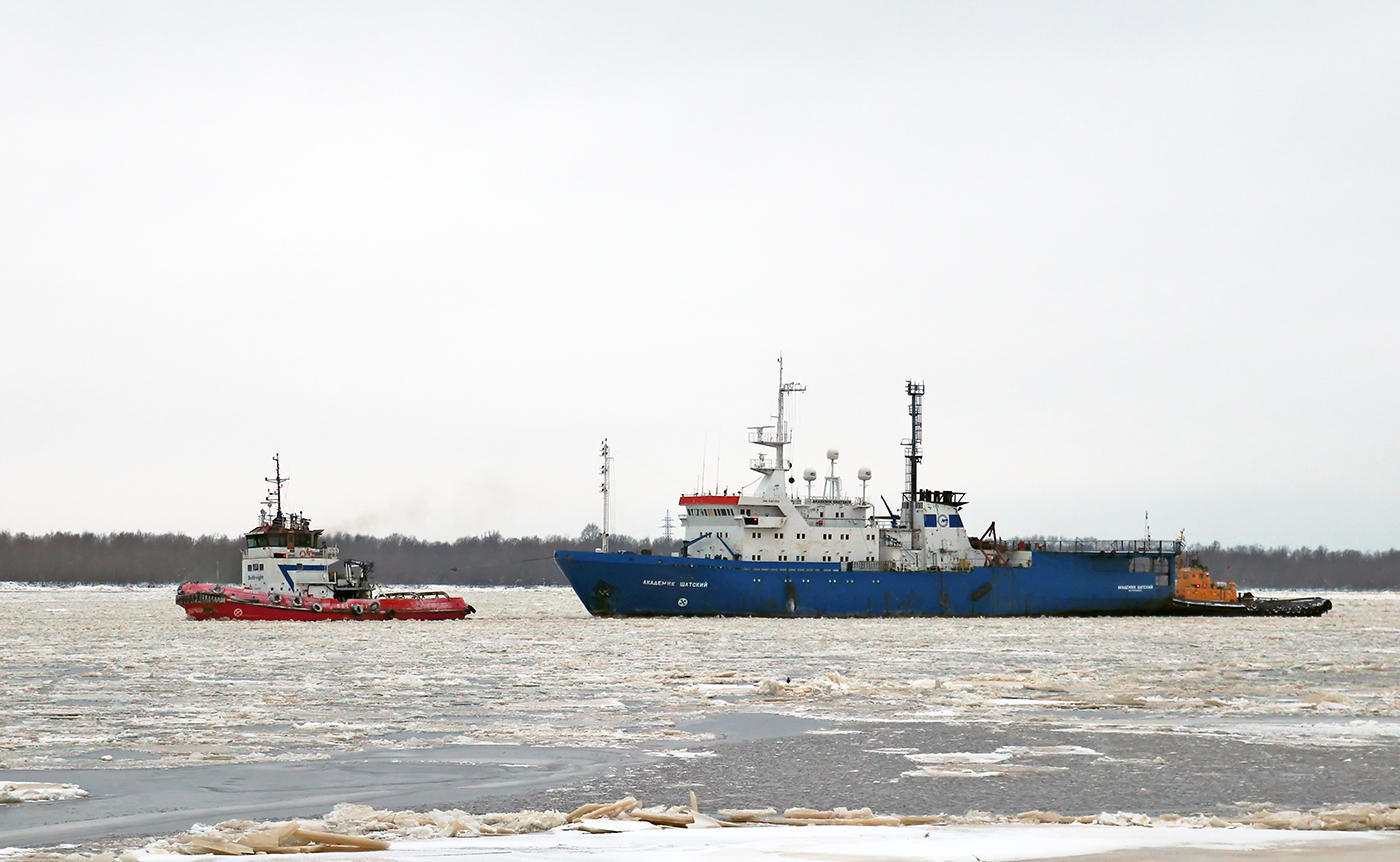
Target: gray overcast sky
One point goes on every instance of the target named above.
(1144, 255)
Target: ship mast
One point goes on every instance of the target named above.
(783, 435)
(277, 482)
(913, 456)
(607, 493)
(776, 472)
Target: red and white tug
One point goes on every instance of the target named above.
(290, 574)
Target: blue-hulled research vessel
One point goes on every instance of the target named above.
(774, 552)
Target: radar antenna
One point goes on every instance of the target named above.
(275, 498)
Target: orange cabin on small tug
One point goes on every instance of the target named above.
(1193, 583)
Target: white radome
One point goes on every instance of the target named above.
(809, 475)
(832, 454)
(863, 474)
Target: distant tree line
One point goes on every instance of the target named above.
(137, 558)
(488, 559)
(150, 558)
(1301, 568)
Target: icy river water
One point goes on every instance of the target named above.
(115, 688)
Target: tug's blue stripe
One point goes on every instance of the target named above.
(287, 569)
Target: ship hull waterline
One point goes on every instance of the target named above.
(1055, 584)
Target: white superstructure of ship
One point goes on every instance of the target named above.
(777, 522)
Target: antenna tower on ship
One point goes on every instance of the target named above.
(667, 525)
(607, 493)
(832, 488)
(913, 455)
(775, 472)
(277, 482)
(783, 435)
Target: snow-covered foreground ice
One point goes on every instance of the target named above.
(876, 844)
(634, 840)
(123, 673)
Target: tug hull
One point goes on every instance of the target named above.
(1310, 606)
(222, 602)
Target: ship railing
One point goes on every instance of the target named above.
(766, 437)
(1099, 546)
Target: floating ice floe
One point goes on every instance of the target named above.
(974, 764)
(545, 683)
(38, 791)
